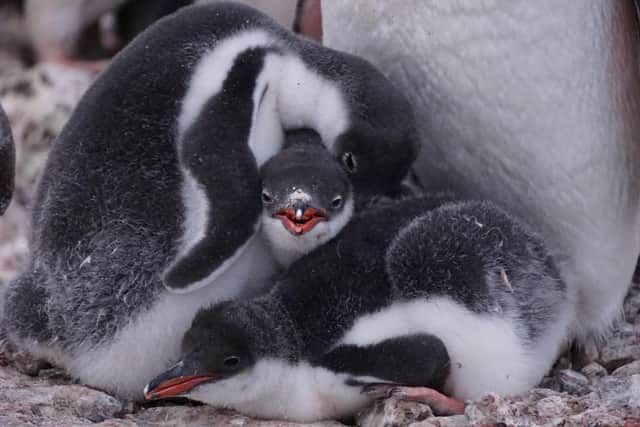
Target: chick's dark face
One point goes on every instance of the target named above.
(213, 350)
(376, 163)
(303, 186)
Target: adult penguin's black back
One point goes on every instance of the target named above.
(7, 162)
(154, 181)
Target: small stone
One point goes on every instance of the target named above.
(574, 382)
(54, 375)
(541, 393)
(451, 421)
(634, 394)
(205, 416)
(474, 412)
(594, 371)
(29, 365)
(393, 411)
(626, 330)
(621, 393)
(119, 423)
(621, 348)
(98, 407)
(628, 369)
(552, 406)
(598, 417)
(238, 421)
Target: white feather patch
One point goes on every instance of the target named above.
(238, 254)
(196, 213)
(486, 351)
(266, 135)
(277, 389)
(307, 99)
(194, 228)
(212, 70)
(151, 342)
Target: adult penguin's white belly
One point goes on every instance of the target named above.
(532, 104)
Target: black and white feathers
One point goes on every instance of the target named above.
(295, 83)
(307, 197)
(461, 297)
(7, 162)
(154, 184)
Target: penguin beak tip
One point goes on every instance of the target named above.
(172, 387)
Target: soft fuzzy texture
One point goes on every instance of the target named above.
(124, 181)
(461, 297)
(514, 106)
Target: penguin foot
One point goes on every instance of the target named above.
(439, 403)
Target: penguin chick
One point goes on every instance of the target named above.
(461, 298)
(149, 206)
(287, 82)
(7, 162)
(307, 197)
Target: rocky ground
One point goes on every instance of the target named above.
(39, 101)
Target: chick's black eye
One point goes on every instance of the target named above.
(266, 197)
(349, 161)
(231, 361)
(336, 202)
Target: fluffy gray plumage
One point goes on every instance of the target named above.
(110, 209)
(466, 289)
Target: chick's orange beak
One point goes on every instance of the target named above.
(299, 221)
(174, 387)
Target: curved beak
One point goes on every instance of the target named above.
(177, 381)
(300, 218)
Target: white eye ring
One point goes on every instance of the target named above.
(231, 361)
(349, 161)
(266, 197)
(336, 203)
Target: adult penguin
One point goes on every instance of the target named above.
(531, 104)
(154, 184)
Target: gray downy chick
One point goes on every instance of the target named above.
(307, 197)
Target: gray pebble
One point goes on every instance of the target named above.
(594, 371)
(627, 370)
(574, 382)
(621, 393)
(98, 407)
